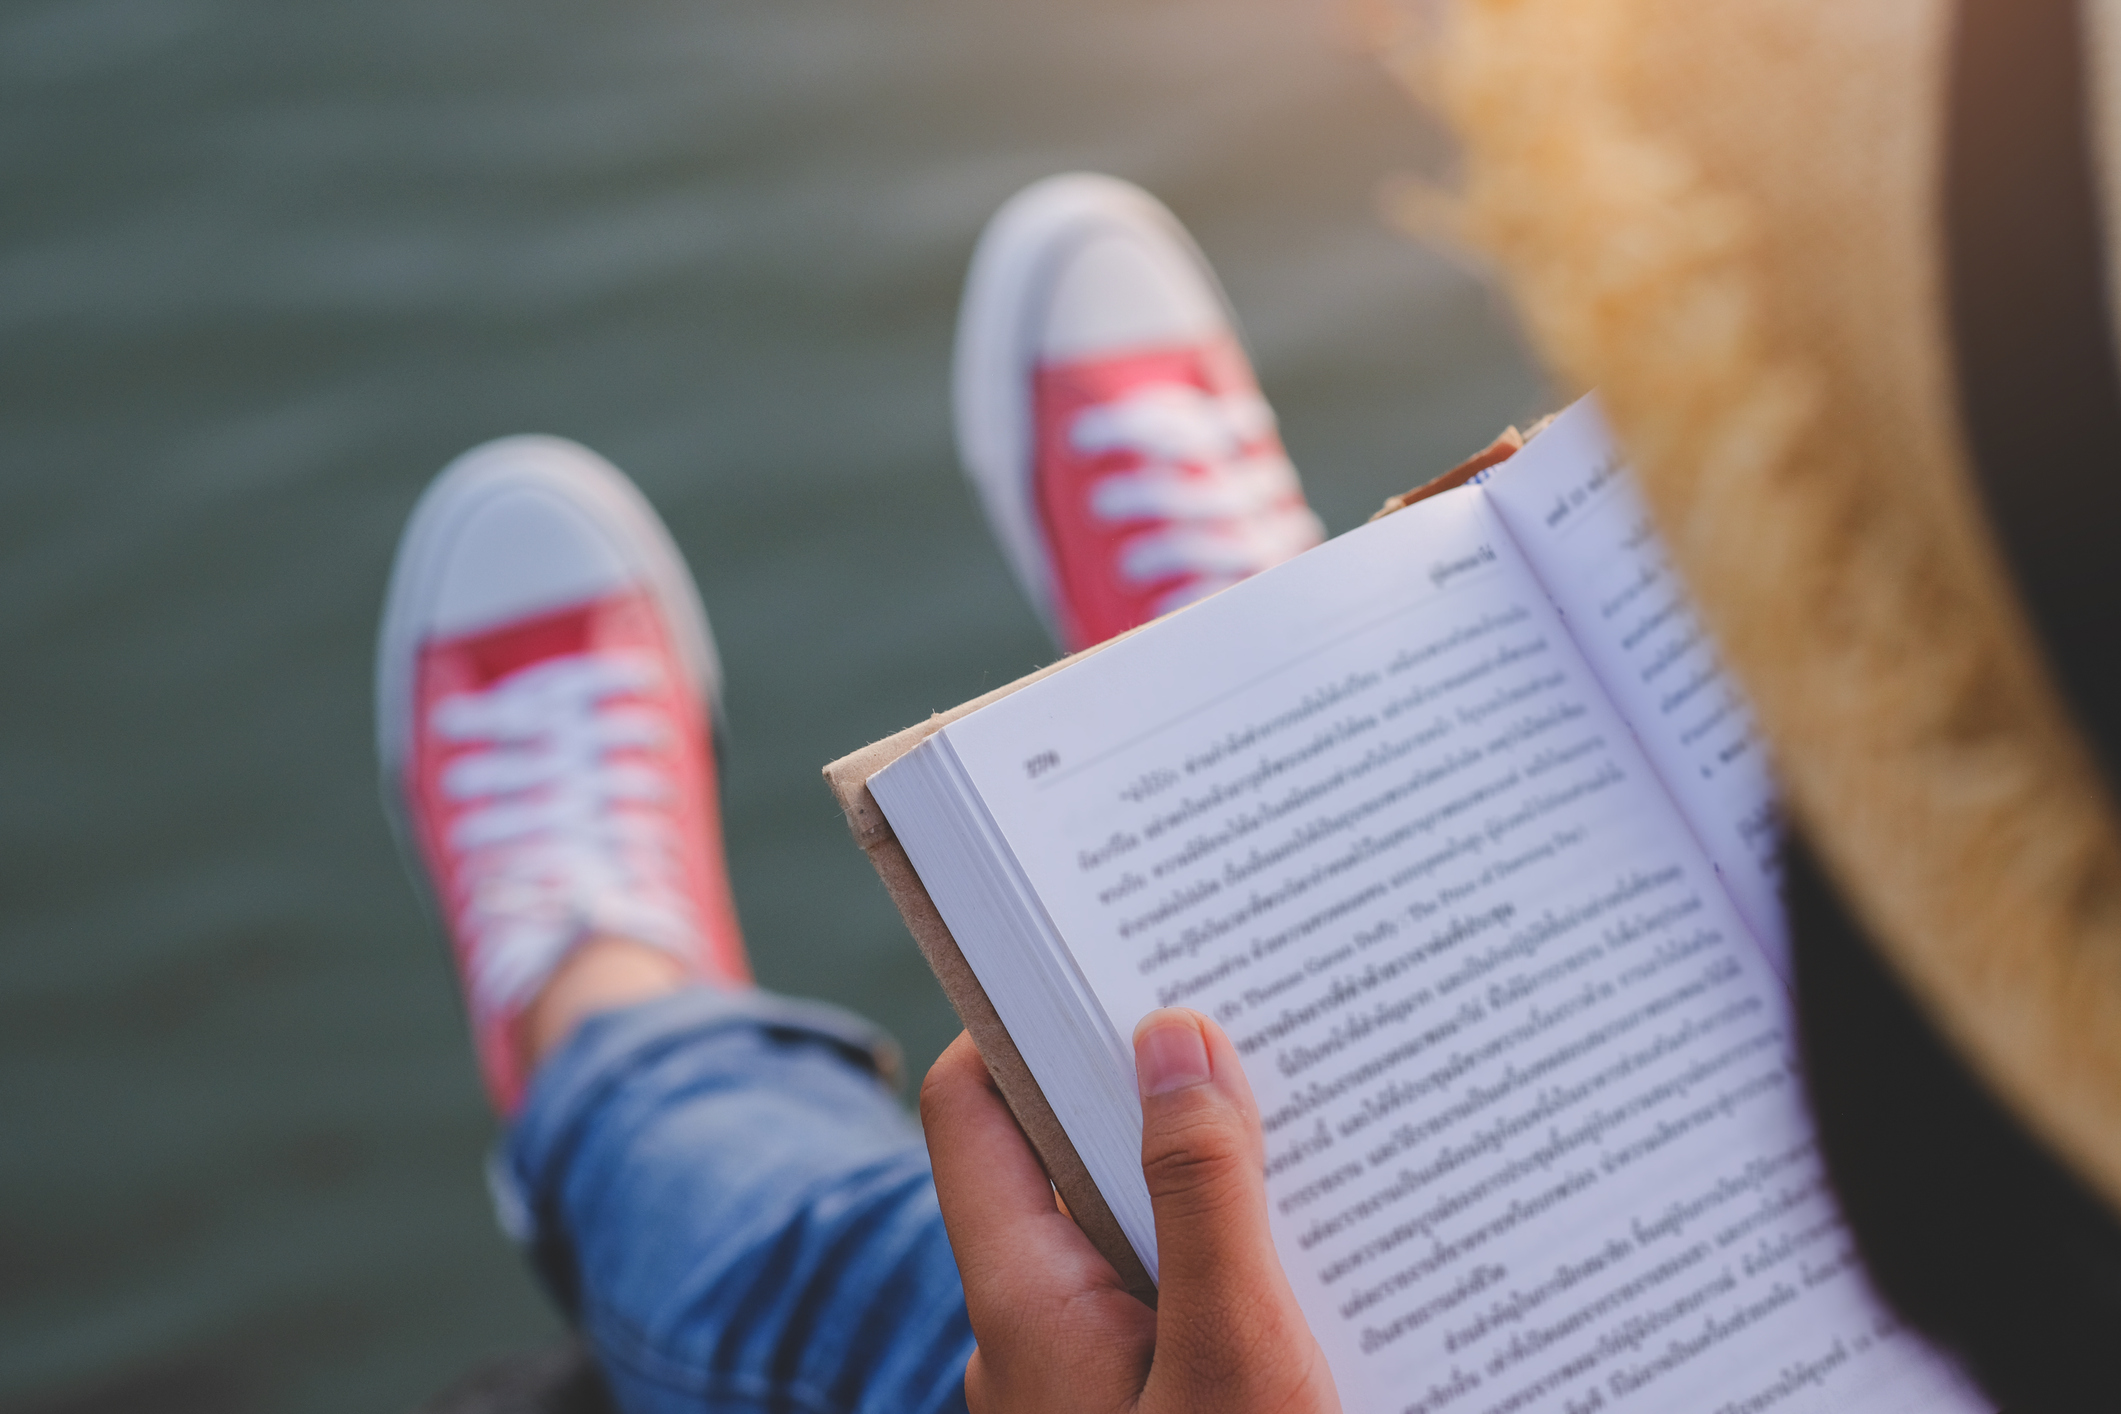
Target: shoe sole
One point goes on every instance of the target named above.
(586, 482)
(1012, 271)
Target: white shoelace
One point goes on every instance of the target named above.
(563, 837)
(1245, 515)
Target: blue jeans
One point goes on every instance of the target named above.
(724, 1195)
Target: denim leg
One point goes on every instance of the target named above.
(723, 1193)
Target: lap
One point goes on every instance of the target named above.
(737, 1212)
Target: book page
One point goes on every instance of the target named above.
(1534, 1138)
(1574, 511)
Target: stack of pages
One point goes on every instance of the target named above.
(1457, 829)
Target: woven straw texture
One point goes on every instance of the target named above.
(1725, 218)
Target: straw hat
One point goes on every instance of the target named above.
(1840, 272)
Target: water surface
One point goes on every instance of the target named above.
(263, 270)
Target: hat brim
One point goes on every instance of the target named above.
(1726, 218)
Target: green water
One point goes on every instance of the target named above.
(263, 269)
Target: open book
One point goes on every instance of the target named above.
(1457, 829)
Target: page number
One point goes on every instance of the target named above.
(1040, 764)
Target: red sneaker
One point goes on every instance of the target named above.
(544, 686)
(1108, 416)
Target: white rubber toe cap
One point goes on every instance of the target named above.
(1119, 287)
(521, 551)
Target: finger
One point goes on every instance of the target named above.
(997, 1202)
(1220, 1287)
(1048, 1311)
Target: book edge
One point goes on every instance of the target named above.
(848, 779)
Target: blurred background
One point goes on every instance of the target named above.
(263, 270)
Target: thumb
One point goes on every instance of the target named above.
(1222, 1300)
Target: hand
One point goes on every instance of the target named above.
(1056, 1330)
